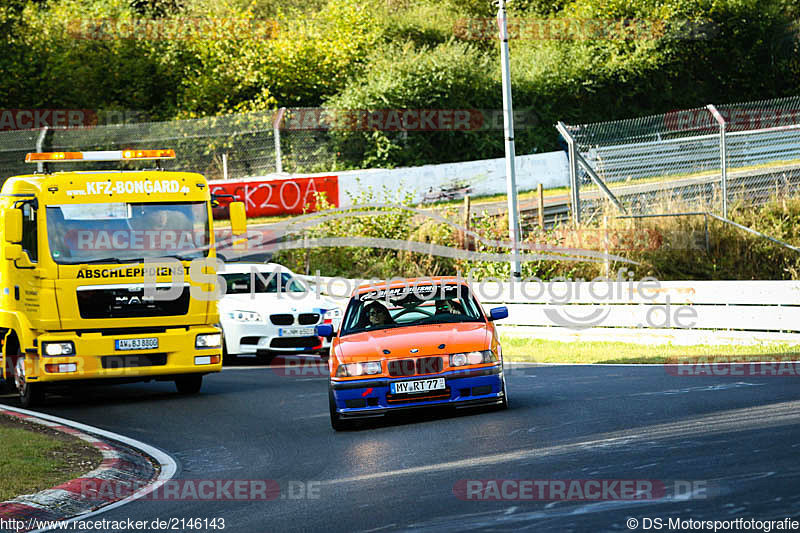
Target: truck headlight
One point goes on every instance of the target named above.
(208, 340)
(244, 316)
(359, 369)
(472, 358)
(58, 349)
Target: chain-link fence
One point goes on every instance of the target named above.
(694, 159)
(230, 146)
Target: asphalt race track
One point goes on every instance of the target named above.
(717, 448)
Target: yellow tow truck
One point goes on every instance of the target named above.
(108, 276)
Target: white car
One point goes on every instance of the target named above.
(268, 311)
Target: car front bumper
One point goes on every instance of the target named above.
(463, 388)
(249, 339)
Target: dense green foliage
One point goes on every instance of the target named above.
(223, 56)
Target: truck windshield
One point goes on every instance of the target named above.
(127, 232)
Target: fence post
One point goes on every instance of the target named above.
(276, 130)
(573, 172)
(540, 195)
(723, 157)
(467, 214)
(40, 147)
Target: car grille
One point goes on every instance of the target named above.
(283, 319)
(295, 342)
(308, 318)
(412, 367)
(133, 360)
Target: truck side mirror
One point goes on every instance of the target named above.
(12, 252)
(13, 226)
(238, 218)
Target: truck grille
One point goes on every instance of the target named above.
(133, 360)
(128, 302)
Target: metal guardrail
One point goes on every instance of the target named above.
(688, 155)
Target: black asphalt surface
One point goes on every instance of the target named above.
(734, 440)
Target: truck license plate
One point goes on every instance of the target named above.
(147, 343)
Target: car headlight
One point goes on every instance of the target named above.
(359, 369)
(244, 316)
(208, 340)
(472, 358)
(332, 314)
(56, 349)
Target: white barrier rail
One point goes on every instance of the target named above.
(758, 306)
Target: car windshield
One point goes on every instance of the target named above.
(262, 282)
(410, 306)
(126, 232)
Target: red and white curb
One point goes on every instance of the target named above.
(124, 462)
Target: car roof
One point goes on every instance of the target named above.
(408, 282)
(246, 268)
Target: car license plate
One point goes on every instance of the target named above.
(147, 343)
(295, 332)
(422, 385)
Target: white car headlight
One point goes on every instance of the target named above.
(472, 358)
(359, 369)
(244, 316)
(332, 314)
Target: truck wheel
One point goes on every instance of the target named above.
(189, 384)
(30, 394)
(227, 358)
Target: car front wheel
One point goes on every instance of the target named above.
(336, 421)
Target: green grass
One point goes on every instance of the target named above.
(546, 351)
(31, 460)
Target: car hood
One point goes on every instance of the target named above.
(273, 301)
(457, 337)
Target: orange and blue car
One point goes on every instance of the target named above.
(410, 344)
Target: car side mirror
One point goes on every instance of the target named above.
(13, 226)
(498, 313)
(324, 330)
